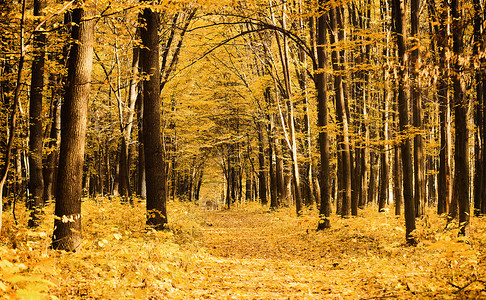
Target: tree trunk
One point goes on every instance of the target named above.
(152, 139)
(444, 181)
(341, 111)
(124, 171)
(279, 172)
(416, 99)
(481, 93)
(53, 146)
(397, 179)
(141, 182)
(272, 168)
(478, 46)
(36, 181)
(383, 191)
(74, 116)
(373, 174)
(461, 176)
(384, 173)
(403, 104)
(322, 119)
(262, 183)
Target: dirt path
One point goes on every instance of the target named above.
(250, 258)
(250, 253)
(261, 255)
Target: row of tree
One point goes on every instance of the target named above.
(299, 103)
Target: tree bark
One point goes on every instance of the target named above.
(481, 93)
(141, 182)
(152, 137)
(479, 112)
(74, 116)
(262, 182)
(461, 176)
(53, 146)
(341, 111)
(403, 104)
(322, 119)
(416, 99)
(271, 155)
(36, 181)
(443, 180)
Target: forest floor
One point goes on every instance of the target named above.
(247, 252)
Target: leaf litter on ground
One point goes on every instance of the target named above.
(248, 252)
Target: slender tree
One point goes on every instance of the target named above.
(416, 99)
(344, 155)
(320, 78)
(36, 181)
(439, 18)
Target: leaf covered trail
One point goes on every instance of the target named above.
(247, 252)
(254, 254)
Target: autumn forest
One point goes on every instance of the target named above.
(196, 149)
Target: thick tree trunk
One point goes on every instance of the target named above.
(323, 120)
(152, 139)
(461, 176)
(403, 105)
(36, 181)
(74, 116)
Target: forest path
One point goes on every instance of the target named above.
(254, 254)
(250, 253)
